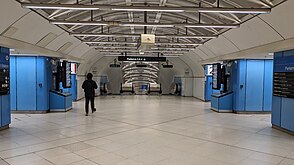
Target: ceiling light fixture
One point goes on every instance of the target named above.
(230, 26)
(146, 8)
(150, 9)
(139, 35)
(135, 43)
(235, 10)
(59, 6)
(97, 23)
(147, 24)
(91, 23)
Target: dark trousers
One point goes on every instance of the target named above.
(87, 103)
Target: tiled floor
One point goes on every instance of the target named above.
(136, 130)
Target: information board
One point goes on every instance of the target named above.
(284, 74)
(4, 71)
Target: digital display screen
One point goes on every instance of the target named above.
(66, 83)
(216, 76)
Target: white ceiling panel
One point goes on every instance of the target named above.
(205, 50)
(79, 50)
(200, 54)
(10, 11)
(281, 19)
(253, 33)
(61, 40)
(32, 28)
(221, 46)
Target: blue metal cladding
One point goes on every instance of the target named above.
(239, 85)
(284, 61)
(68, 102)
(57, 101)
(26, 83)
(42, 85)
(276, 111)
(208, 88)
(6, 113)
(215, 102)
(226, 102)
(287, 114)
(282, 113)
(268, 85)
(1, 112)
(31, 81)
(13, 82)
(254, 85)
(73, 89)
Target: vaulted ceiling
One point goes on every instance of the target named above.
(29, 31)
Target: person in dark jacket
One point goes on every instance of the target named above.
(89, 87)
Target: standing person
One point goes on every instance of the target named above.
(89, 87)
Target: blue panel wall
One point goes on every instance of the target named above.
(268, 85)
(287, 114)
(6, 114)
(208, 88)
(13, 82)
(1, 114)
(276, 111)
(239, 83)
(42, 85)
(254, 85)
(215, 103)
(26, 85)
(73, 89)
(30, 83)
(282, 113)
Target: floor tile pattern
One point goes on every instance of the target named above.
(144, 130)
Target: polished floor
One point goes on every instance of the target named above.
(144, 130)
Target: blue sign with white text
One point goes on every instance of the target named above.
(284, 61)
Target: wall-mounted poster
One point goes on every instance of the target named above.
(209, 69)
(216, 76)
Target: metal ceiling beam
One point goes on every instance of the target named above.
(140, 24)
(139, 35)
(145, 8)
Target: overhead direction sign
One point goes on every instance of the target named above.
(141, 58)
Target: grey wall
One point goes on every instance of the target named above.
(166, 77)
(115, 79)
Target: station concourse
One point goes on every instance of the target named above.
(180, 82)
